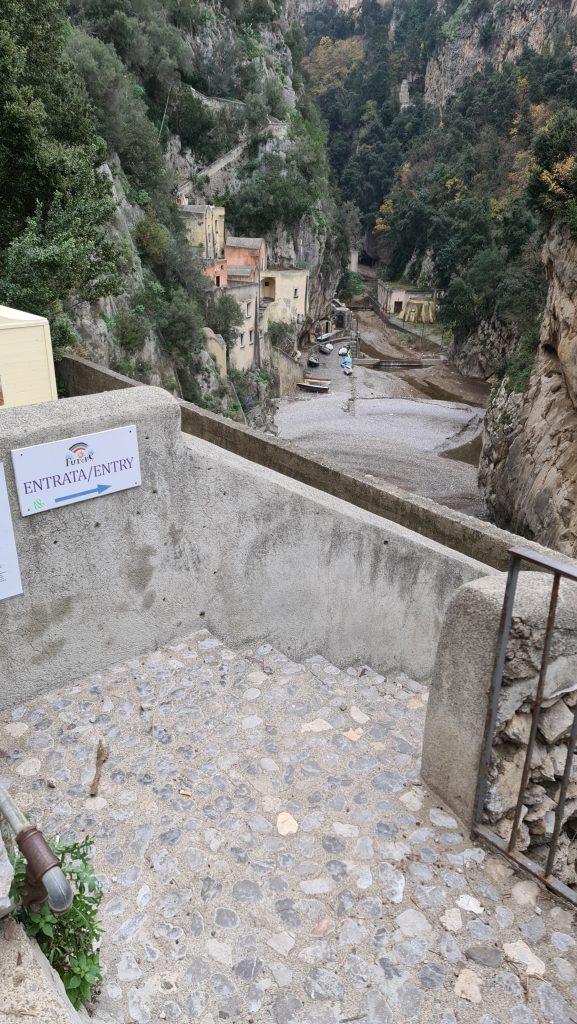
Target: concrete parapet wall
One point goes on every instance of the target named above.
(209, 539)
(478, 540)
(313, 574)
(459, 693)
(101, 578)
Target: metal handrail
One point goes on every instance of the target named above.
(560, 570)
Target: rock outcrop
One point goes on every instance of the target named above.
(528, 465)
(500, 34)
(484, 352)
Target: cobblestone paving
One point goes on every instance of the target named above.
(268, 852)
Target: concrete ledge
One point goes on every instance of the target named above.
(481, 541)
(29, 987)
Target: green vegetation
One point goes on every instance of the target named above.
(281, 191)
(465, 199)
(226, 318)
(517, 371)
(92, 94)
(68, 941)
(54, 237)
(553, 179)
(351, 284)
(281, 333)
(456, 197)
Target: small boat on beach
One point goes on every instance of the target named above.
(313, 361)
(326, 348)
(314, 384)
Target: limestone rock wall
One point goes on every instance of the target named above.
(95, 321)
(496, 36)
(483, 352)
(309, 245)
(528, 468)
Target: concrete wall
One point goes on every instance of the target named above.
(209, 539)
(288, 372)
(101, 578)
(470, 536)
(243, 352)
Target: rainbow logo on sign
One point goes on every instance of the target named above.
(79, 452)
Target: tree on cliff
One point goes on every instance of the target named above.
(553, 179)
(56, 205)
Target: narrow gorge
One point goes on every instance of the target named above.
(452, 128)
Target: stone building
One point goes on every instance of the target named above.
(239, 266)
(204, 228)
(246, 258)
(205, 231)
(406, 303)
(246, 352)
(283, 296)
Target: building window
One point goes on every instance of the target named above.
(248, 308)
(296, 293)
(251, 337)
(218, 280)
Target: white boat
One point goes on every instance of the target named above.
(319, 386)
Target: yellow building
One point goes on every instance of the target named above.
(245, 353)
(407, 303)
(283, 296)
(205, 228)
(26, 361)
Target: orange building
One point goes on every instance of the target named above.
(246, 258)
(217, 271)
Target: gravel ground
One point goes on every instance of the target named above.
(270, 856)
(377, 424)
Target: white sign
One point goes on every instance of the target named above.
(10, 582)
(76, 469)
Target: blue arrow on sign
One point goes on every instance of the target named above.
(82, 494)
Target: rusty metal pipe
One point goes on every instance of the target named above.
(44, 876)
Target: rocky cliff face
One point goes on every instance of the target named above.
(529, 460)
(497, 35)
(484, 351)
